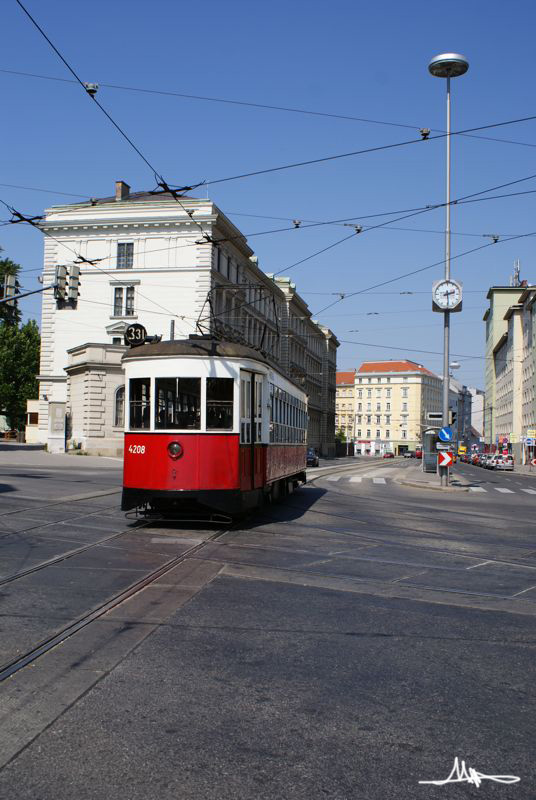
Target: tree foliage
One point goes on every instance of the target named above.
(9, 314)
(19, 366)
(340, 436)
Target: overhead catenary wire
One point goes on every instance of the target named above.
(157, 176)
(77, 255)
(265, 106)
(423, 269)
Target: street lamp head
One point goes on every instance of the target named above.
(448, 65)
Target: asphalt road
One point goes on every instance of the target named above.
(347, 643)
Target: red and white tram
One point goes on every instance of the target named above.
(210, 425)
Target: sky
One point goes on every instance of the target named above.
(367, 61)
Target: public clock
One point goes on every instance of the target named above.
(447, 295)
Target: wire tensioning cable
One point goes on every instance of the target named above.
(266, 106)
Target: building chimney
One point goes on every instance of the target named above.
(122, 190)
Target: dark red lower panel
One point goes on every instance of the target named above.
(208, 461)
(283, 460)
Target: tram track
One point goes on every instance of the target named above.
(9, 669)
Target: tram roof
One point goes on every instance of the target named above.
(195, 347)
(203, 347)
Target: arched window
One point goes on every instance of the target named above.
(119, 407)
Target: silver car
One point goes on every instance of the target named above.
(505, 462)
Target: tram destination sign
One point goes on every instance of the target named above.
(135, 335)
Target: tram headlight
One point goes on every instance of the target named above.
(175, 450)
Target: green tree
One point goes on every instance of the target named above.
(9, 314)
(19, 366)
(340, 436)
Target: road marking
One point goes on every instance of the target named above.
(480, 565)
(477, 489)
(378, 480)
(334, 478)
(529, 491)
(358, 480)
(503, 490)
(523, 591)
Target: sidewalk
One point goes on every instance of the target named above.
(15, 454)
(414, 476)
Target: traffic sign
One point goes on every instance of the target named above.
(445, 434)
(442, 445)
(135, 334)
(445, 459)
(533, 462)
(529, 441)
(505, 452)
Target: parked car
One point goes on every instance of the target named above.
(491, 462)
(505, 462)
(408, 454)
(418, 453)
(312, 457)
(388, 455)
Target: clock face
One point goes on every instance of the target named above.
(447, 294)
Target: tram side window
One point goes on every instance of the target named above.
(178, 403)
(140, 403)
(220, 403)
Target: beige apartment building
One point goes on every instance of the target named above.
(345, 404)
(510, 408)
(390, 400)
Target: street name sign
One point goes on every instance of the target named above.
(445, 459)
(442, 445)
(434, 416)
(445, 434)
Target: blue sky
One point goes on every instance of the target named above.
(363, 60)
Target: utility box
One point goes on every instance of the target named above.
(56, 427)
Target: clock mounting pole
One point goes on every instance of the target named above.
(447, 65)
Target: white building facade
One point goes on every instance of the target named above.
(178, 267)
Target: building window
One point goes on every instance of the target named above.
(369, 419)
(123, 301)
(369, 380)
(388, 406)
(388, 419)
(368, 434)
(404, 406)
(360, 406)
(387, 434)
(378, 434)
(360, 392)
(117, 340)
(359, 432)
(404, 434)
(405, 391)
(378, 406)
(388, 380)
(359, 419)
(388, 393)
(119, 407)
(125, 255)
(32, 418)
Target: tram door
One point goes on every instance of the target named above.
(251, 451)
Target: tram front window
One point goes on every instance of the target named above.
(220, 403)
(178, 403)
(140, 403)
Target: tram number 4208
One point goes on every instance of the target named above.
(138, 449)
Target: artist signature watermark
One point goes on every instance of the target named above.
(460, 773)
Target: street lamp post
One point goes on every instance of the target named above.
(447, 65)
